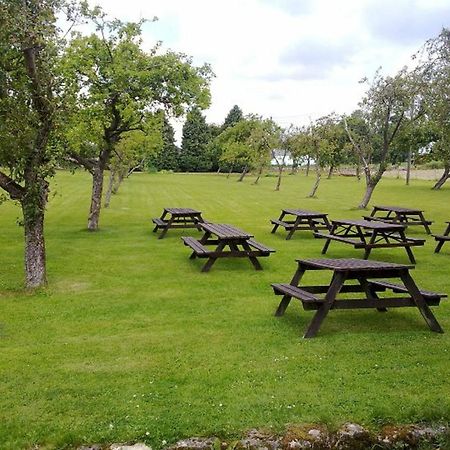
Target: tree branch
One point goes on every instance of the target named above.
(15, 190)
(88, 164)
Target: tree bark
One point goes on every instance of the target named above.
(244, 172)
(316, 185)
(358, 171)
(443, 178)
(118, 181)
(308, 164)
(408, 168)
(110, 188)
(280, 174)
(367, 195)
(96, 198)
(259, 175)
(35, 267)
(330, 172)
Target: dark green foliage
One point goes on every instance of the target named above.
(167, 158)
(214, 150)
(234, 116)
(194, 156)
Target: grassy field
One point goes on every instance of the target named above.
(130, 342)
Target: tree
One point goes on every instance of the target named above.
(194, 156)
(233, 117)
(263, 139)
(283, 151)
(247, 144)
(373, 130)
(30, 103)
(435, 74)
(114, 84)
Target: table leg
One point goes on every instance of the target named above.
(330, 297)
(253, 259)
(408, 249)
(371, 294)
(327, 223)
(287, 298)
(294, 228)
(275, 227)
(421, 303)
(212, 259)
(424, 222)
(166, 228)
(327, 244)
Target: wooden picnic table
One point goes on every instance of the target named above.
(177, 218)
(398, 214)
(369, 235)
(322, 298)
(222, 236)
(302, 220)
(442, 238)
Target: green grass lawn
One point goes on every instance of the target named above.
(131, 342)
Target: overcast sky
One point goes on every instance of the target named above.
(292, 60)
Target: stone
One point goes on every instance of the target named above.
(138, 446)
(259, 440)
(195, 443)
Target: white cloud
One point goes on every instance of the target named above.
(287, 59)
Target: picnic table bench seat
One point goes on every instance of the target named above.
(389, 219)
(296, 292)
(431, 297)
(261, 247)
(410, 242)
(160, 223)
(442, 238)
(355, 242)
(199, 249)
(288, 225)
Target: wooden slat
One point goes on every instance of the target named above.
(286, 225)
(296, 292)
(196, 246)
(396, 287)
(159, 222)
(260, 246)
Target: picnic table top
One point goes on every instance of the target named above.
(181, 211)
(399, 209)
(303, 212)
(225, 231)
(351, 264)
(369, 224)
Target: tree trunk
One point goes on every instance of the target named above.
(443, 178)
(110, 188)
(408, 168)
(229, 172)
(330, 172)
(367, 195)
(358, 171)
(244, 172)
(259, 175)
(316, 185)
(118, 181)
(280, 174)
(35, 268)
(308, 164)
(96, 198)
